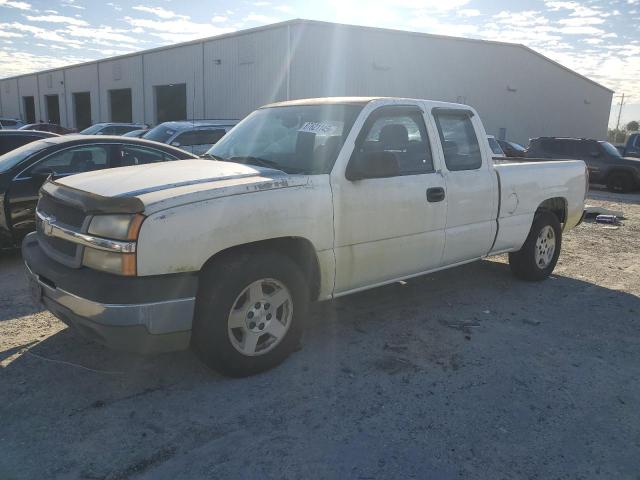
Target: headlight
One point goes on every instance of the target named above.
(112, 262)
(117, 227)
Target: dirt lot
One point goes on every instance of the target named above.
(462, 374)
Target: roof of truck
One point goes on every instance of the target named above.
(325, 101)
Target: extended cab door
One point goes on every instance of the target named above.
(471, 186)
(390, 210)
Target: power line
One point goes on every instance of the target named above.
(620, 111)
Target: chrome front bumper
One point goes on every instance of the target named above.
(142, 328)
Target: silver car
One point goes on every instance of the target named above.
(195, 136)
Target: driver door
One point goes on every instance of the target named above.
(392, 227)
(23, 191)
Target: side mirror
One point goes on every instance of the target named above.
(373, 165)
(175, 144)
(41, 173)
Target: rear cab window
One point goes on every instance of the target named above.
(459, 140)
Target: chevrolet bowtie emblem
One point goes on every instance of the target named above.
(47, 225)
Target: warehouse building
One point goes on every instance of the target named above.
(519, 92)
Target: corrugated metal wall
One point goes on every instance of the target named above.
(511, 87)
(174, 66)
(83, 79)
(119, 74)
(246, 71)
(53, 83)
(229, 76)
(28, 86)
(9, 96)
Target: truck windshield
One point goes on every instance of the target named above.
(295, 139)
(93, 129)
(610, 149)
(161, 134)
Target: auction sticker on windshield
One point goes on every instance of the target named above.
(322, 128)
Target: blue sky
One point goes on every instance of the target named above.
(598, 38)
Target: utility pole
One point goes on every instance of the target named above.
(620, 111)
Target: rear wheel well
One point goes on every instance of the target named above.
(298, 249)
(557, 206)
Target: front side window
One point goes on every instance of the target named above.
(75, 160)
(459, 140)
(400, 131)
(295, 139)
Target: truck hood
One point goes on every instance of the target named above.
(163, 185)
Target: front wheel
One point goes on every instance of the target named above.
(538, 256)
(249, 313)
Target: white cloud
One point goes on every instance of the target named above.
(16, 62)
(469, 12)
(14, 4)
(177, 30)
(101, 34)
(219, 19)
(258, 18)
(581, 21)
(56, 19)
(158, 12)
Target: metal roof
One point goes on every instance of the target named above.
(299, 21)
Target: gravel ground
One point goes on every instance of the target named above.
(467, 373)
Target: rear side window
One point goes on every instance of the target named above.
(200, 137)
(130, 155)
(211, 137)
(459, 140)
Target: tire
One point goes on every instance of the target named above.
(534, 261)
(233, 311)
(620, 182)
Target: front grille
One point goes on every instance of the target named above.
(71, 217)
(60, 245)
(64, 213)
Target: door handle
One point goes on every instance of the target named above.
(435, 194)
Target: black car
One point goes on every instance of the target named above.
(605, 163)
(24, 170)
(12, 139)
(512, 149)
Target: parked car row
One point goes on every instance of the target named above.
(616, 167)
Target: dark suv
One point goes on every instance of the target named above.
(605, 164)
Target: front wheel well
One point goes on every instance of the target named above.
(557, 206)
(298, 249)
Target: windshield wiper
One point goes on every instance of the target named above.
(261, 162)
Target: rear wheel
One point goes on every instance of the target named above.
(620, 182)
(538, 256)
(249, 313)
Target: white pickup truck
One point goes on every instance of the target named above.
(302, 201)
